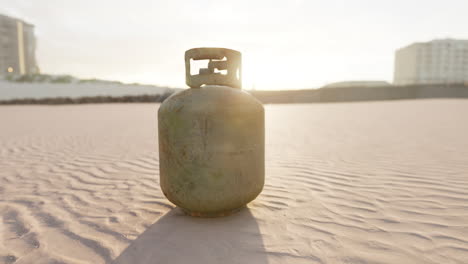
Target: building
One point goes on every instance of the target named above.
(357, 84)
(17, 47)
(435, 62)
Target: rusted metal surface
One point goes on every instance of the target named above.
(219, 59)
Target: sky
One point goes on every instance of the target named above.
(291, 44)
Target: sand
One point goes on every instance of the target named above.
(373, 182)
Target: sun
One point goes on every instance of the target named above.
(272, 73)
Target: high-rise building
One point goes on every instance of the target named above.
(17, 47)
(436, 62)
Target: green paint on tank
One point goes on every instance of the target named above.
(212, 149)
(217, 175)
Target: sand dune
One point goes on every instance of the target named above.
(380, 182)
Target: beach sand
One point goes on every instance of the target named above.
(370, 182)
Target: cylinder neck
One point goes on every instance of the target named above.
(224, 67)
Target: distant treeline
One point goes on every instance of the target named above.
(355, 94)
(48, 78)
(323, 95)
(89, 100)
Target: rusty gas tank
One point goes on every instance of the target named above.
(212, 138)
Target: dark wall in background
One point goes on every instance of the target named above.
(353, 94)
(324, 95)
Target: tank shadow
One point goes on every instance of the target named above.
(178, 238)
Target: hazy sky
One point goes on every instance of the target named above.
(285, 44)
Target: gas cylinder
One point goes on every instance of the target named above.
(212, 138)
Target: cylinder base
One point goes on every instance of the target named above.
(211, 215)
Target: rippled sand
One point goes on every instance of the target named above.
(374, 182)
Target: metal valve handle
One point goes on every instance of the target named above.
(219, 59)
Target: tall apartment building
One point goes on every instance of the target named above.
(435, 62)
(17, 47)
